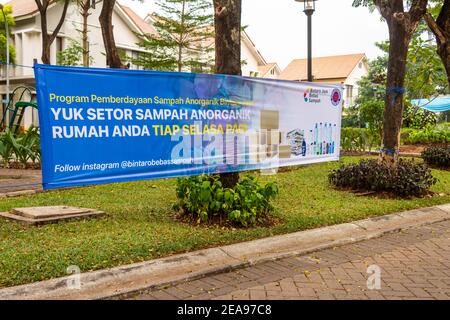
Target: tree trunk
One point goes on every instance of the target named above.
(227, 24)
(105, 19)
(180, 43)
(47, 39)
(399, 39)
(84, 33)
(45, 57)
(441, 30)
(401, 26)
(444, 53)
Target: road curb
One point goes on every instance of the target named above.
(131, 279)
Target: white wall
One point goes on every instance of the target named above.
(31, 48)
(273, 75)
(28, 42)
(358, 72)
(251, 63)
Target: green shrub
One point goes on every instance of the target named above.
(415, 117)
(23, 147)
(443, 126)
(6, 147)
(437, 156)
(350, 121)
(204, 197)
(406, 179)
(359, 139)
(426, 136)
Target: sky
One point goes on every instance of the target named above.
(278, 28)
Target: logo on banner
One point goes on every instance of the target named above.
(336, 97)
(312, 95)
(306, 94)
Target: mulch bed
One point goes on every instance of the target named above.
(19, 166)
(222, 222)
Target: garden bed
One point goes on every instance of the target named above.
(19, 166)
(139, 224)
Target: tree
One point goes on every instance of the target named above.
(182, 28)
(10, 21)
(71, 56)
(84, 9)
(372, 113)
(425, 74)
(112, 55)
(227, 22)
(402, 25)
(227, 25)
(441, 29)
(47, 39)
(373, 85)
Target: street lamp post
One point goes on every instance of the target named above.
(7, 54)
(309, 8)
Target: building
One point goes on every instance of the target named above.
(26, 37)
(270, 70)
(128, 26)
(346, 70)
(254, 64)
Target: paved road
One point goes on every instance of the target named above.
(414, 264)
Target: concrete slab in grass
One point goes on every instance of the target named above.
(49, 211)
(50, 214)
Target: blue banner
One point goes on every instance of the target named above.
(111, 125)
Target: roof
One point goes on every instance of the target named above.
(23, 7)
(251, 45)
(264, 69)
(29, 7)
(143, 26)
(332, 67)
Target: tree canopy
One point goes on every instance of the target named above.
(10, 21)
(184, 37)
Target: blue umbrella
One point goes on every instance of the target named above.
(438, 104)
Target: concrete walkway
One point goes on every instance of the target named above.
(14, 182)
(129, 280)
(413, 264)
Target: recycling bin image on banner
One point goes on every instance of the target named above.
(111, 125)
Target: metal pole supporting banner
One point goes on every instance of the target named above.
(310, 77)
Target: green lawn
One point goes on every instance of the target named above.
(139, 227)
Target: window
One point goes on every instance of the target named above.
(197, 69)
(254, 74)
(349, 94)
(59, 44)
(134, 57)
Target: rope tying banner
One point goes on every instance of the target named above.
(16, 65)
(390, 151)
(396, 91)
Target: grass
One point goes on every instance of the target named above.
(138, 226)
